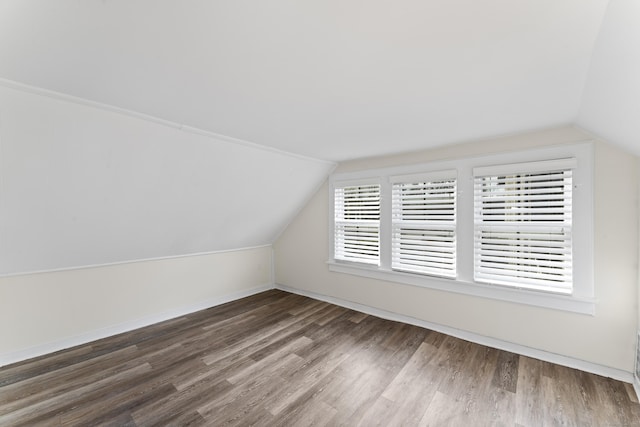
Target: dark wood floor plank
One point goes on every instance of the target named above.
(414, 387)
(475, 378)
(614, 402)
(173, 408)
(381, 413)
(207, 373)
(333, 313)
(457, 379)
(40, 365)
(411, 373)
(304, 305)
(580, 393)
(277, 358)
(122, 420)
(254, 338)
(528, 391)
(49, 384)
(224, 408)
(246, 404)
(358, 317)
(435, 338)
(506, 373)
(496, 406)
(308, 379)
(330, 347)
(183, 419)
(555, 411)
(368, 374)
(284, 358)
(51, 407)
(318, 415)
(304, 403)
(140, 336)
(116, 405)
(445, 411)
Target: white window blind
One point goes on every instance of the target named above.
(357, 223)
(424, 223)
(523, 225)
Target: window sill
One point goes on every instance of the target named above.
(522, 296)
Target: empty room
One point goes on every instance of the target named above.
(354, 213)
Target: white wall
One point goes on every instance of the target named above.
(606, 339)
(41, 313)
(110, 220)
(83, 184)
(637, 360)
(611, 97)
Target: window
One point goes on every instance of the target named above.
(357, 223)
(424, 224)
(514, 226)
(523, 225)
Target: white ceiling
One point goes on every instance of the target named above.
(89, 186)
(611, 102)
(330, 79)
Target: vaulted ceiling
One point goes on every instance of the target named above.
(340, 79)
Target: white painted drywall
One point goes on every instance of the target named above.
(85, 185)
(611, 98)
(330, 79)
(41, 313)
(607, 339)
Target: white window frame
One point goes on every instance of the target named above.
(582, 297)
(431, 249)
(362, 242)
(519, 238)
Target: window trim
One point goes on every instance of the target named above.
(346, 184)
(581, 300)
(499, 223)
(425, 224)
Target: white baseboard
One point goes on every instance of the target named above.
(39, 350)
(89, 336)
(570, 362)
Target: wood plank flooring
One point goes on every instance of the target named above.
(278, 359)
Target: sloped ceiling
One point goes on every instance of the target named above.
(611, 102)
(82, 185)
(134, 129)
(331, 79)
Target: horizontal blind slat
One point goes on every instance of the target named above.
(423, 225)
(522, 224)
(357, 223)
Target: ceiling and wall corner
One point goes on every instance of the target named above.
(83, 185)
(332, 80)
(611, 99)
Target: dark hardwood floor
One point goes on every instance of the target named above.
(279, 359)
